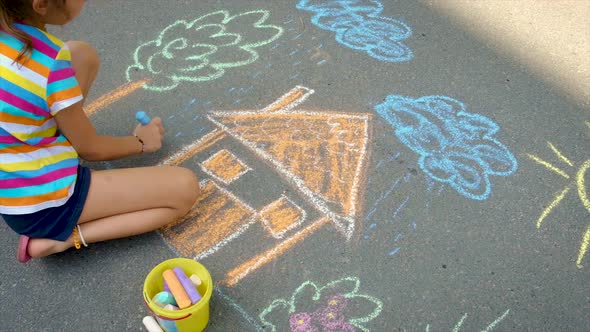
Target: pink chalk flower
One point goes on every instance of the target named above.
(302, 322)
(335, 307)
(331, 315)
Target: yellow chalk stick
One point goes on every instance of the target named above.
(176, 289)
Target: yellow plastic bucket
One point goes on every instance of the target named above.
(191, 319)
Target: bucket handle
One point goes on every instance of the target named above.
(145, 300)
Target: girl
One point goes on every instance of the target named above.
(45, 195)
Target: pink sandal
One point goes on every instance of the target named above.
(23, 244)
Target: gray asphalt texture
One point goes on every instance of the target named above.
(461, 262)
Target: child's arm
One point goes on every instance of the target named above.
(78, 129)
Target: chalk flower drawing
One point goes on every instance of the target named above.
(358, 25)
(455, 147)
(201, 50)
(336, 306)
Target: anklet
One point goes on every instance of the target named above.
(81, 236)
(75, 237)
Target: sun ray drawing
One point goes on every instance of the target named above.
(578, 183)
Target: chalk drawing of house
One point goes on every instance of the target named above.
(320, 155)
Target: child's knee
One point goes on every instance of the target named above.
(84, 54)
(187, 186)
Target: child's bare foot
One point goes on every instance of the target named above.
(45, 247)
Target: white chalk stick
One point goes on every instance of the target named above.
(170, 307)
(195, 279)
(151, 325)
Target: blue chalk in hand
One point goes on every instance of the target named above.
(142, 117)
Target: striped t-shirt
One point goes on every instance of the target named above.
(38, 165)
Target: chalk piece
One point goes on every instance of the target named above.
(166, 288)
(157, 302)
(177, 290)
(188, 285)
(196, 280)
(170, 307)
(151, 325)
(142, 117)
(164, 298)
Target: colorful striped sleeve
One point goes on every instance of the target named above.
(62, 87)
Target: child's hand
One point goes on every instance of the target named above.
(151, 134)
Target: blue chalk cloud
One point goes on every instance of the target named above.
(455, 147)
(358, 24)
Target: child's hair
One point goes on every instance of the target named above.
(12, 11)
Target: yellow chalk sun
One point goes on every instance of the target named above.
(582, 193)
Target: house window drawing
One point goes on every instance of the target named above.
(281, 216)
(224, 167)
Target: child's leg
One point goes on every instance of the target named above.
(126, 202)
(123, 202)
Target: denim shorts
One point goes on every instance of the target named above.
(56, 223)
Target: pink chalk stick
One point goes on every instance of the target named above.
(187, 284)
